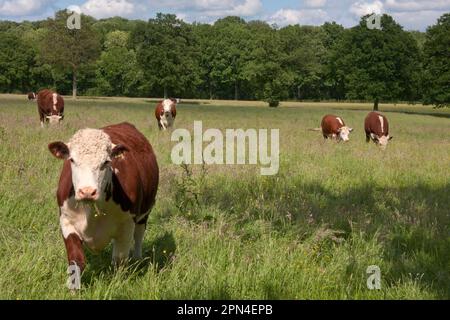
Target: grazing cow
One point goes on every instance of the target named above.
(333, 127)
(106, 190)
(31, 96)
(165, 113)
(376, 126)
(50, 106)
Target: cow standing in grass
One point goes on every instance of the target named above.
(165, 113)
(376, 127)
(333, 127)
(50, 106)
(107, 188)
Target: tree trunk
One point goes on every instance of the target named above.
(210, 92)
(74, 84)
(236, 91)
(165, 92)
(375, 105)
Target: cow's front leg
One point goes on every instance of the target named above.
(139, 232)
(75, 253)
(123, 243)
(162, 124)
(74, 244)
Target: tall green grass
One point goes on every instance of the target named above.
(225, 232)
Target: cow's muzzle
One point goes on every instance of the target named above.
(87, 193)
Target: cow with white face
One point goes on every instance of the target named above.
(106, 190)
(50, 106)
(376, 127)
(333, 127)
(165, 113)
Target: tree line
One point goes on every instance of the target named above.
(230, 59)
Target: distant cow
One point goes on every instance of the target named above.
(165, 113)
(333, 127)
(376, 126)
(106, 190)
(50, 106)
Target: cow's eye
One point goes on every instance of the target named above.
(71, 160)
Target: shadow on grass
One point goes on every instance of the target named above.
(157, 254)
(411, 223)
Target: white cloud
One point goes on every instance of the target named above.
(417, 5)
(315, 3)
(248, 8)
(285, 17)
(211, 8)
(417, 21)
(360, 8)
(18, 8)
(108, 8)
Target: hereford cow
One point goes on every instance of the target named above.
(377, 128)
(50, 106)
(31, 96)
(106, 190)
(165, 113)
(333, 127)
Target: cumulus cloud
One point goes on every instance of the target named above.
(285, 17)
(18, 8)
(108, 8)
(361, 8)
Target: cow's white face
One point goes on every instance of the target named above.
(383, 141)
(55, 119)
(90, 152)
(344, 133)
(167, 106)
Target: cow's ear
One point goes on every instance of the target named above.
(390, 138)
(118, 151)
(350, 129)
(59, 149)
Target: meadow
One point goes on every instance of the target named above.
(225, 232)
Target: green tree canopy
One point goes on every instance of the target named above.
(68, 49)
(165, 52)
(378, 64)
(437, 63)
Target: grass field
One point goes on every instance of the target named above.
(225, 232)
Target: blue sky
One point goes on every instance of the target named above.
(412, 14)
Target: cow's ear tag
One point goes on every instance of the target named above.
(118, 151)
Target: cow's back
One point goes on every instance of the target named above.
(330, 124)
(136, 175)
(377, 124)
(46, 105)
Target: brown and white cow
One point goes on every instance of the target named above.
(106, 190)
(165, 113)
(333, 127)
(50, 106)
(376, 126)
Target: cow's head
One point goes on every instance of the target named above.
(168, 104)
(344, 133)
(381, 141)
(90, 152)
(54, 119)
(31, 96)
